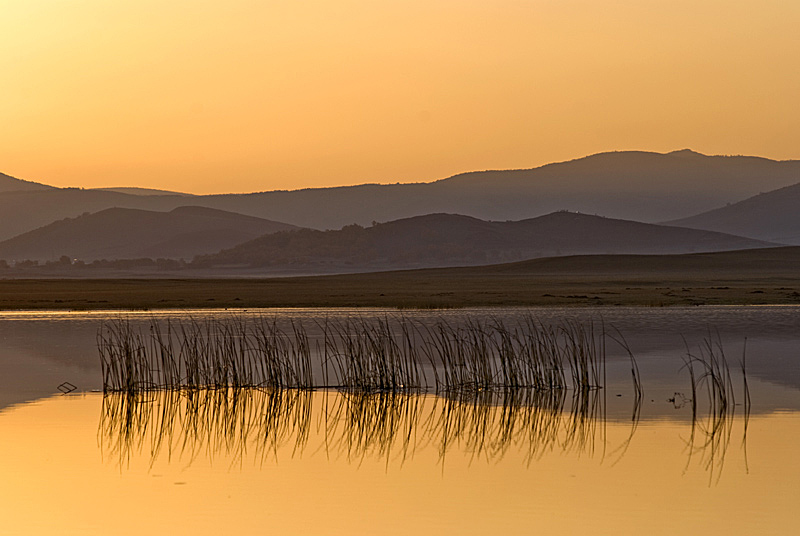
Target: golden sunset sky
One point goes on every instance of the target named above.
(244, 95)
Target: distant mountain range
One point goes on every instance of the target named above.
(454, 240)
(772, 216)
(123, 233)
(470, 219)
(630, 185)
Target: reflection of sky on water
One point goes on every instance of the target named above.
(375, 465)
(62, 476)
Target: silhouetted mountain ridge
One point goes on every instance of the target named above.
(772, 216)
(13, 184)
(123, 233)
(133, 190)
(454, 240)
(632, 185)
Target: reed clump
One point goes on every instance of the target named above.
(372, 355)
(190, 354)
(366, 355)
(491, 355)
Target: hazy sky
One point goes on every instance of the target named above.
(245, 95)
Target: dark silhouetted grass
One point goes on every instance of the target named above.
(710, 377)
(390, 354)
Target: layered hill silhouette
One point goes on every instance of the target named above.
(632, 185)
(133, 190)
(745, 263)
(13, 184)
(453, 240)
(772, 216)
(123, 233)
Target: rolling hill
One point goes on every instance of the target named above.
(141, 191)
(122, 233)
(13, 184)
(454, 240)
(632, 185)
(772, 216)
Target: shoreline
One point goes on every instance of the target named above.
(749, 277)
(383, 292)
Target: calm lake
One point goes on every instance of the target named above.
(326, 462)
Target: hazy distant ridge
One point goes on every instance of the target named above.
(772, 216)
(133, 190)
(122, 233)
(629, 185)
(454, 240)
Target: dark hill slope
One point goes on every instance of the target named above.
(133, 190)
(12, 184)
(750, 263)
(772, 216)
(118, 233)
(453, 240)
(21, 212)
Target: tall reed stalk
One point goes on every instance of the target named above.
(710, 373)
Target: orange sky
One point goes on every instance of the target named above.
(246, 95)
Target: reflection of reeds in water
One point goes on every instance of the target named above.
(710, 377)
(210, 421)
(487, 425)
(365, 355)
(224, 384)
(359, 425)
(350, 425)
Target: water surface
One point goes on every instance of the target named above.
(326, 462)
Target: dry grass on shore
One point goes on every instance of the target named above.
(754, 277)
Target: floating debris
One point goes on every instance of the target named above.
(66, 387)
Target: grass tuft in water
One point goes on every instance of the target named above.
(389, 354)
